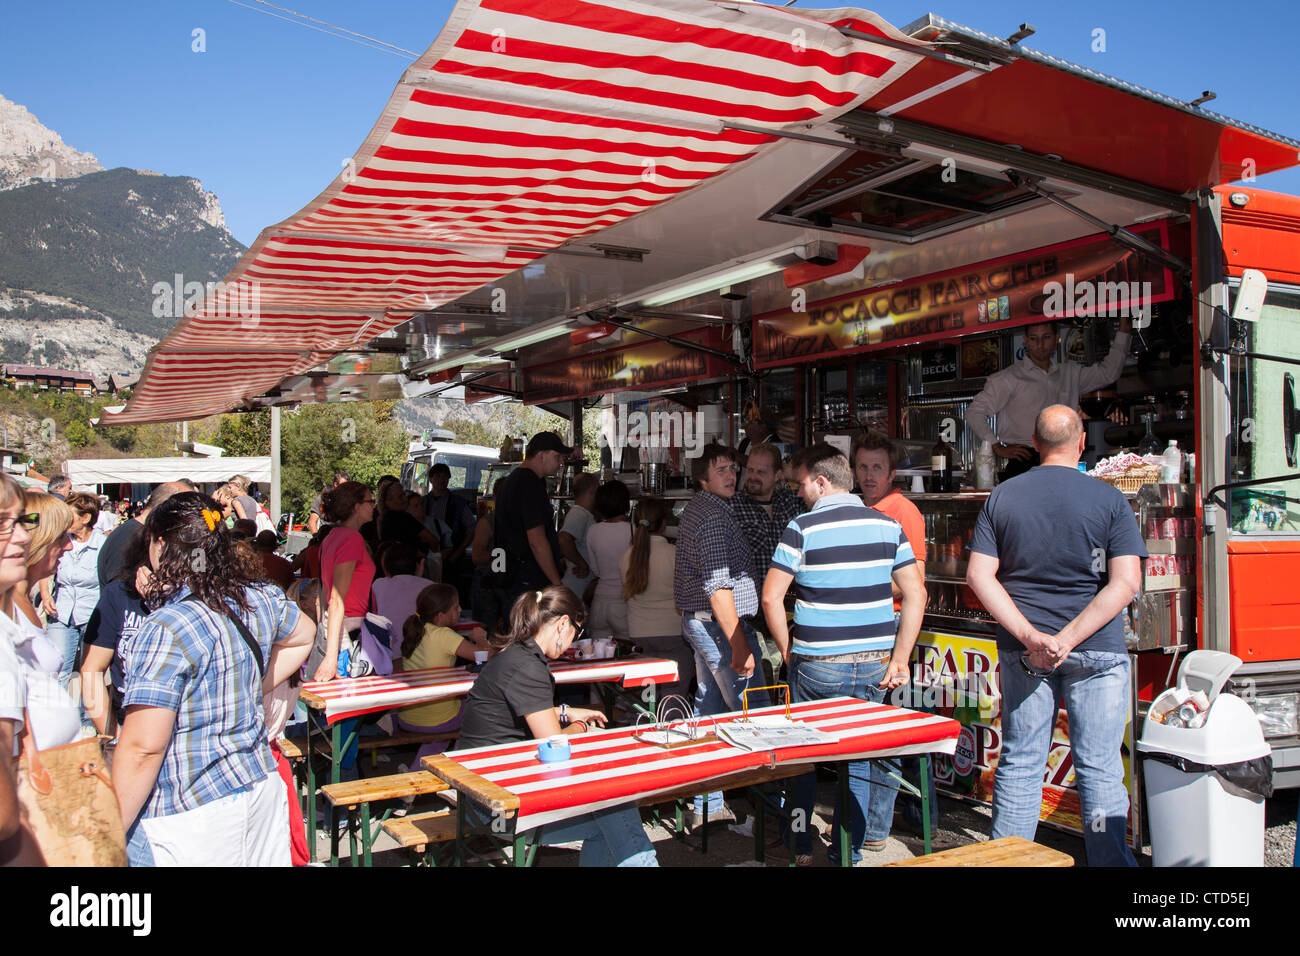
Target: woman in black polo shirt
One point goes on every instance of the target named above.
(514, 700)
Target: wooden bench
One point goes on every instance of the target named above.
(422, 832)
(359, 794)
(1008, 851)
(297, 750)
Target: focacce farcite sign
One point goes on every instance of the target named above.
(985, 296)
(649, 364)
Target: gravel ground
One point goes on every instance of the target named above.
(959, 824)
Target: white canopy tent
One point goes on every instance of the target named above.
(109, 471)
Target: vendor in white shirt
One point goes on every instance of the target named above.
(1017, 394)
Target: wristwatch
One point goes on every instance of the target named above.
(564, 714)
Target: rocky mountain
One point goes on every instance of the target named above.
(83, 251)
(29, 151)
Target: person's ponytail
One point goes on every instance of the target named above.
(648, 519)
(533, 610)
(433, 600)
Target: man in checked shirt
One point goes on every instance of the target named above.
(715, 587)
(764, 508)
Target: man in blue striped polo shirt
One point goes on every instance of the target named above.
(841, 557)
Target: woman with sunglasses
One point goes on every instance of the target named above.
(49, 542)
(50, 726)
(514, 700)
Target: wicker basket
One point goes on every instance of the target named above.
(1134, 479)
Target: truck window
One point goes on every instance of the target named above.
(463, 471)
(1264, 441)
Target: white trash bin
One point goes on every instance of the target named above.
(1206, 785)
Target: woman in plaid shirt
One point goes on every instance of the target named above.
(193, 763)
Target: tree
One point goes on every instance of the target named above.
(245, 435)
(77, 433)
(318, 441)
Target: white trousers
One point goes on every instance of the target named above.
(245, 829)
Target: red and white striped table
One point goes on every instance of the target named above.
(610, 767)
(354, 696)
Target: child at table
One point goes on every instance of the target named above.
(428, 640)
(514, 700)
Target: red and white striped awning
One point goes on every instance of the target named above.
(524, 126)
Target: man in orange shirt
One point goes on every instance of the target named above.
(875, 460)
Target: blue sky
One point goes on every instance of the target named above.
(268, 113)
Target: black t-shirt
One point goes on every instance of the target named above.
(113, 623)
(400, 526)
(524, 504)
(513, 684)
(1053, 529)
(112, 553)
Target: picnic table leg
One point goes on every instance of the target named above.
(846, 857)
(925, 801)
(336, 753)
(704, 828)
(310, 810)
(760, 821)
(460, 833)
(518, 858)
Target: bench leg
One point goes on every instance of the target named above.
(334, 835)
(352, 836)
(365, 835)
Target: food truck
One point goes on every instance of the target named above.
(725, 212)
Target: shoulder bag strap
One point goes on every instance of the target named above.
(243, 632)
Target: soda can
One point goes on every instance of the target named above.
(1153, 529)
(1189, 527)
(1187, 713)
(1170, 527)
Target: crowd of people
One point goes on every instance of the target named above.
(190, 634)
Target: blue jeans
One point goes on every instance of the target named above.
(1094, 687)
(610, 837)
(68, 637)
(138, 850)
(717, 686)
(817, 680)
(879, 819)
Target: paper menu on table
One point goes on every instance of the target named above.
(769, 733)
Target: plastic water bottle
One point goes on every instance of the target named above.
(345, 663)
(1171, 472)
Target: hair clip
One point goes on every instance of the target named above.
(643, 523)
(538, 595)
(211, 518)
